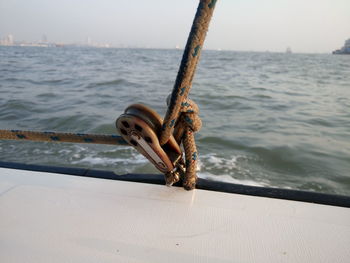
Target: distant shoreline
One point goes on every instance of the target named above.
(154, 48)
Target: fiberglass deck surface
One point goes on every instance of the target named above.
(46, 217)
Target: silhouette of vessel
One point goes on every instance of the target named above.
(345, 49)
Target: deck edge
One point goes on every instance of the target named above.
(203, 184)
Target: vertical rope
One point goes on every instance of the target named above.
(188, 65)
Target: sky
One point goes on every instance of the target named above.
(307, 26)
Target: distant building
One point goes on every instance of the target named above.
(44, 39)
(10, 40)
(44, 42)
(7, 41)
(88, 41)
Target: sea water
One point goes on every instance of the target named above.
(269, 119)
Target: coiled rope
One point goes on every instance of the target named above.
(178, 103)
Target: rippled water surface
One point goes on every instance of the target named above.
(280, 120)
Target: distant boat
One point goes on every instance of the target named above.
(59, 45)
(288, 50)
(345, 49)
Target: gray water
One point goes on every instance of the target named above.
(270, 119)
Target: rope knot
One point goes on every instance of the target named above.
(189, 115)
(188, 123)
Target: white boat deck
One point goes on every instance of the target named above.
(47, 217)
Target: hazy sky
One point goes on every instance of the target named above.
(260, 25)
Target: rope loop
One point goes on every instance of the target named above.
(188, 123)
(189, 115)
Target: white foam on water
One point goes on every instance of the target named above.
(218, 162)
(229, 179)
(94, 158)
(213, 161)
(214, 167)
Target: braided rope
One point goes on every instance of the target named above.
(182, 113)
(62, 137)
(188, 65)
(189, 123)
